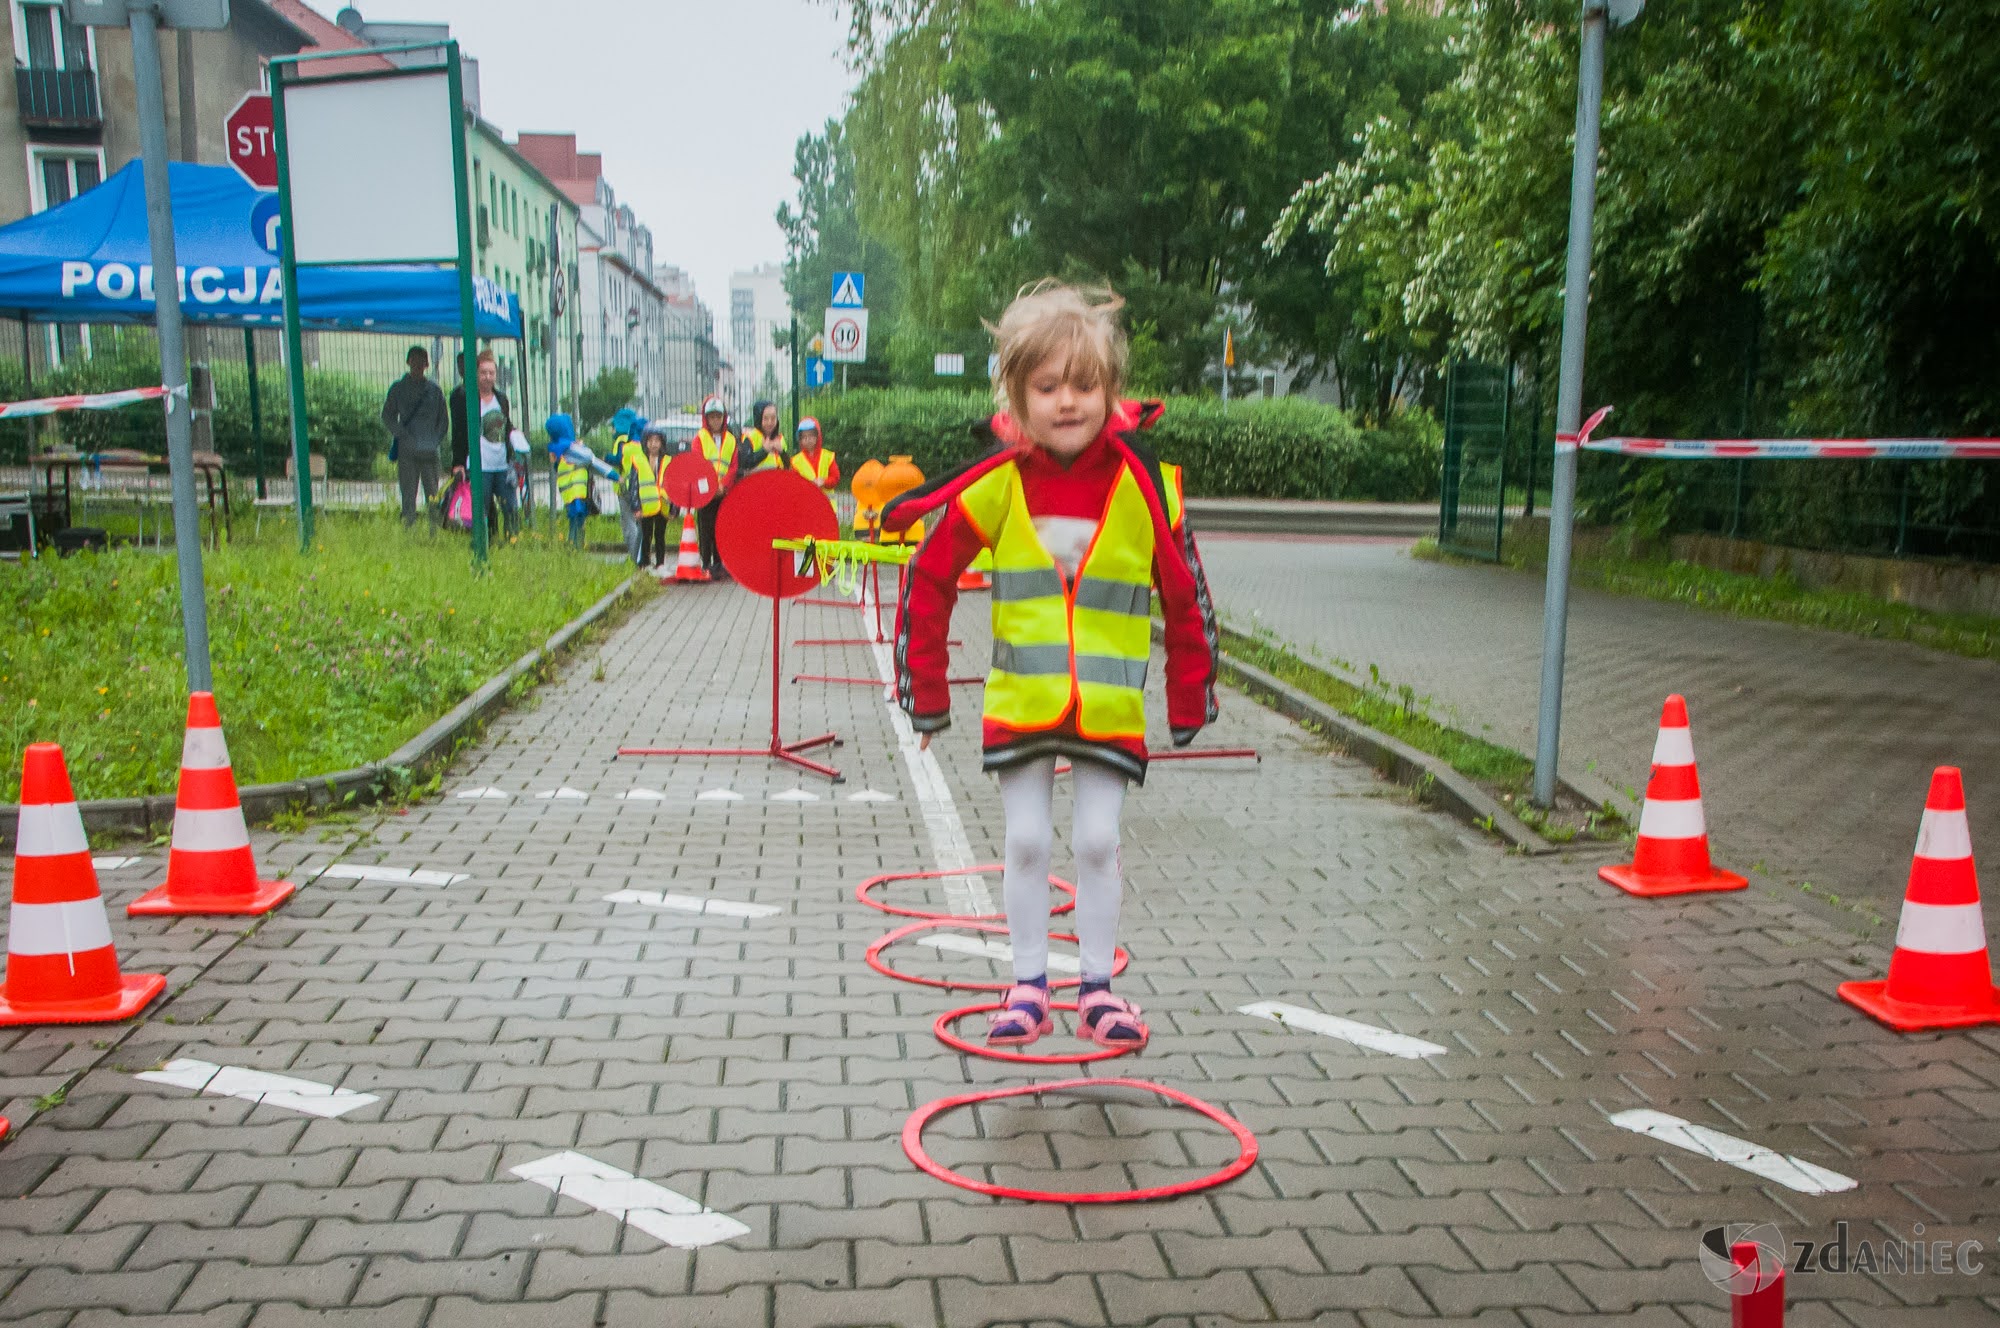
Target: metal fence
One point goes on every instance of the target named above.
(1922, 509)
(1498, 426)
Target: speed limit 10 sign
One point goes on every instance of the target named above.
(847, 335)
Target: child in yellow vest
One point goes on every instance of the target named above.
(1083, 524)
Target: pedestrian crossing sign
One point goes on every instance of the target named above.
(848, 288)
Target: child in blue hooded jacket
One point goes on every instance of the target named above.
(575, 463)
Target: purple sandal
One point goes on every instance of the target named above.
(1017, 1027)
(1110, 1021)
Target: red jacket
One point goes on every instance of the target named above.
(930, 590)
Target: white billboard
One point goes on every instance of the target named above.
(370, 166)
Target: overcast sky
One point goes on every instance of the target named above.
(695, 106)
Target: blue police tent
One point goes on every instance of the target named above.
(89, 261)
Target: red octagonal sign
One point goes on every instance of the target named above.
(253, 146)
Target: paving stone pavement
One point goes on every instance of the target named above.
(1816, 747)
(756, 1066)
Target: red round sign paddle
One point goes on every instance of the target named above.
(772, 505)
(689, 480)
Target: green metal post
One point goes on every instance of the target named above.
(796, 417)
(1506, 435)
(475, 472)
(295, 355)
(256, 406)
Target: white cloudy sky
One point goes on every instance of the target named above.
(695, 104)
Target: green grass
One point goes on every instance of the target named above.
(1784, 600)
(322, 662)
(1398, 712)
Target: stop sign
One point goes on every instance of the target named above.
(253, 147)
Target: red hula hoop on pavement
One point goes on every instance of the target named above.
(942, 1028)
(913, 1144)
(874, 956)
(861, 893)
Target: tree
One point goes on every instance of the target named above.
(603, 397)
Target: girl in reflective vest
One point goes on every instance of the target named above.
(814, 460)
(763, 446)
(719, 445)
(639, 490)
(1084, 525)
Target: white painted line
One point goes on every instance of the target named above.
(795, 795)
(967, 894)
(271, 1090)
(113, 864)
(987, 949)
(726, 908)
(871, 795)
(564, 794)
(718, 795)
(1791, 1172)
(673, 1219)
(500, 795)
(1347, 1030)
(394, 875)
(643, 795)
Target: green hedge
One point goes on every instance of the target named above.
(1281, 448)
(343, 412)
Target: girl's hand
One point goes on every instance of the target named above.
(923, 742)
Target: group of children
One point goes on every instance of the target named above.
(637, 464)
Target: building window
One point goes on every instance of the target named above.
(59, 176)
(49, 38)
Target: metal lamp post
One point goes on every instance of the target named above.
(143, 18)
(1597, 16)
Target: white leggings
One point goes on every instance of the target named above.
(1026, 792)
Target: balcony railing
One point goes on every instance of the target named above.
(58, 98)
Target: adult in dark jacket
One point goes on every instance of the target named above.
(496, 434)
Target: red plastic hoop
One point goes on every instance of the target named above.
(1119, 958)
(913, 1144)
(942, 1028)
(861, 893)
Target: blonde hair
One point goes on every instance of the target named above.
(1050, 318)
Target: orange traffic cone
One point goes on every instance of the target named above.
(1939, 976)
(210, 868)
(61, 965)
(1673, 833)
(688, 566)
(972, 580)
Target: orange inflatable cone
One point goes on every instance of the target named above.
(1673, 833)
(1940, 976)
(210, 868)
(61, 965)
(688, 566)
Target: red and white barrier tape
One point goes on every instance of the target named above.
(1782, 449)
(94, 401)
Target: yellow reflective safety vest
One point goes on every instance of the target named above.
(633, 463)
(759, 459)
(572, 482)
(721, 452)
(821, 474)
(1057, 646)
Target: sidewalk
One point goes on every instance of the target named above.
(521, 1005)
(1816, 747)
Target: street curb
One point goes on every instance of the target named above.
(1432, 778)
(360, 784)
